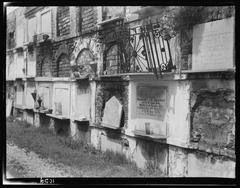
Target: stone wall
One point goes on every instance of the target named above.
(89, 19)
(105, 91)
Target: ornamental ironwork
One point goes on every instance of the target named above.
(143, 48)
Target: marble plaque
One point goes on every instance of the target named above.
(83, 102)
(151, 102)
(112, 113)
(213, 45)
(62, 97)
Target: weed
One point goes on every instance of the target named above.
(153, 169)
(65, 150)
(115, 157)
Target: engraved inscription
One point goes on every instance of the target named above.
(151, 102)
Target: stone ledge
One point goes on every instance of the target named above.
(81, 119)
(110, 20)
(41, 111)
(163, 139)
(138, 133)
(55, 79)
(183, 75)
(209, 149)
(43, 78)
(21, 107)
(211, 74)
(110, 127)
(58, 117)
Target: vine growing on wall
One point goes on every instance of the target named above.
(175, 19)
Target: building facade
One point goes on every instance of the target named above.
(138, 80)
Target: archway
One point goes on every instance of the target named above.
(63, 66)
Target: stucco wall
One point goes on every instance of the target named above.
(213, 112)
(205, 165)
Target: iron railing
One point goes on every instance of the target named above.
(143, 48)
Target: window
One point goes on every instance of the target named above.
(32, 28)
(46, 23)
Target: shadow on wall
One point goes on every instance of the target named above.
(155, 155)
(62, 127)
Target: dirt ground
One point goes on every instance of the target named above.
(24, 164)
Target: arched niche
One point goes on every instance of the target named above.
(63, 66)
(45, 67)
(62, 49)
(111, 59)
(86, 51)
(83, 61)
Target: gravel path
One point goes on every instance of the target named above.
(22, 164)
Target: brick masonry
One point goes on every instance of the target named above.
(64, 66)
(63, 20)
(89, 18)
(44, 60)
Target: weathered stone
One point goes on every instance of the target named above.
(214, 116)
(112, 113)
(213, 45)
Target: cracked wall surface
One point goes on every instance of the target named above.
(213, 115)
(105, 91)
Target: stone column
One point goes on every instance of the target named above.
(93, 98)
(73, 125)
